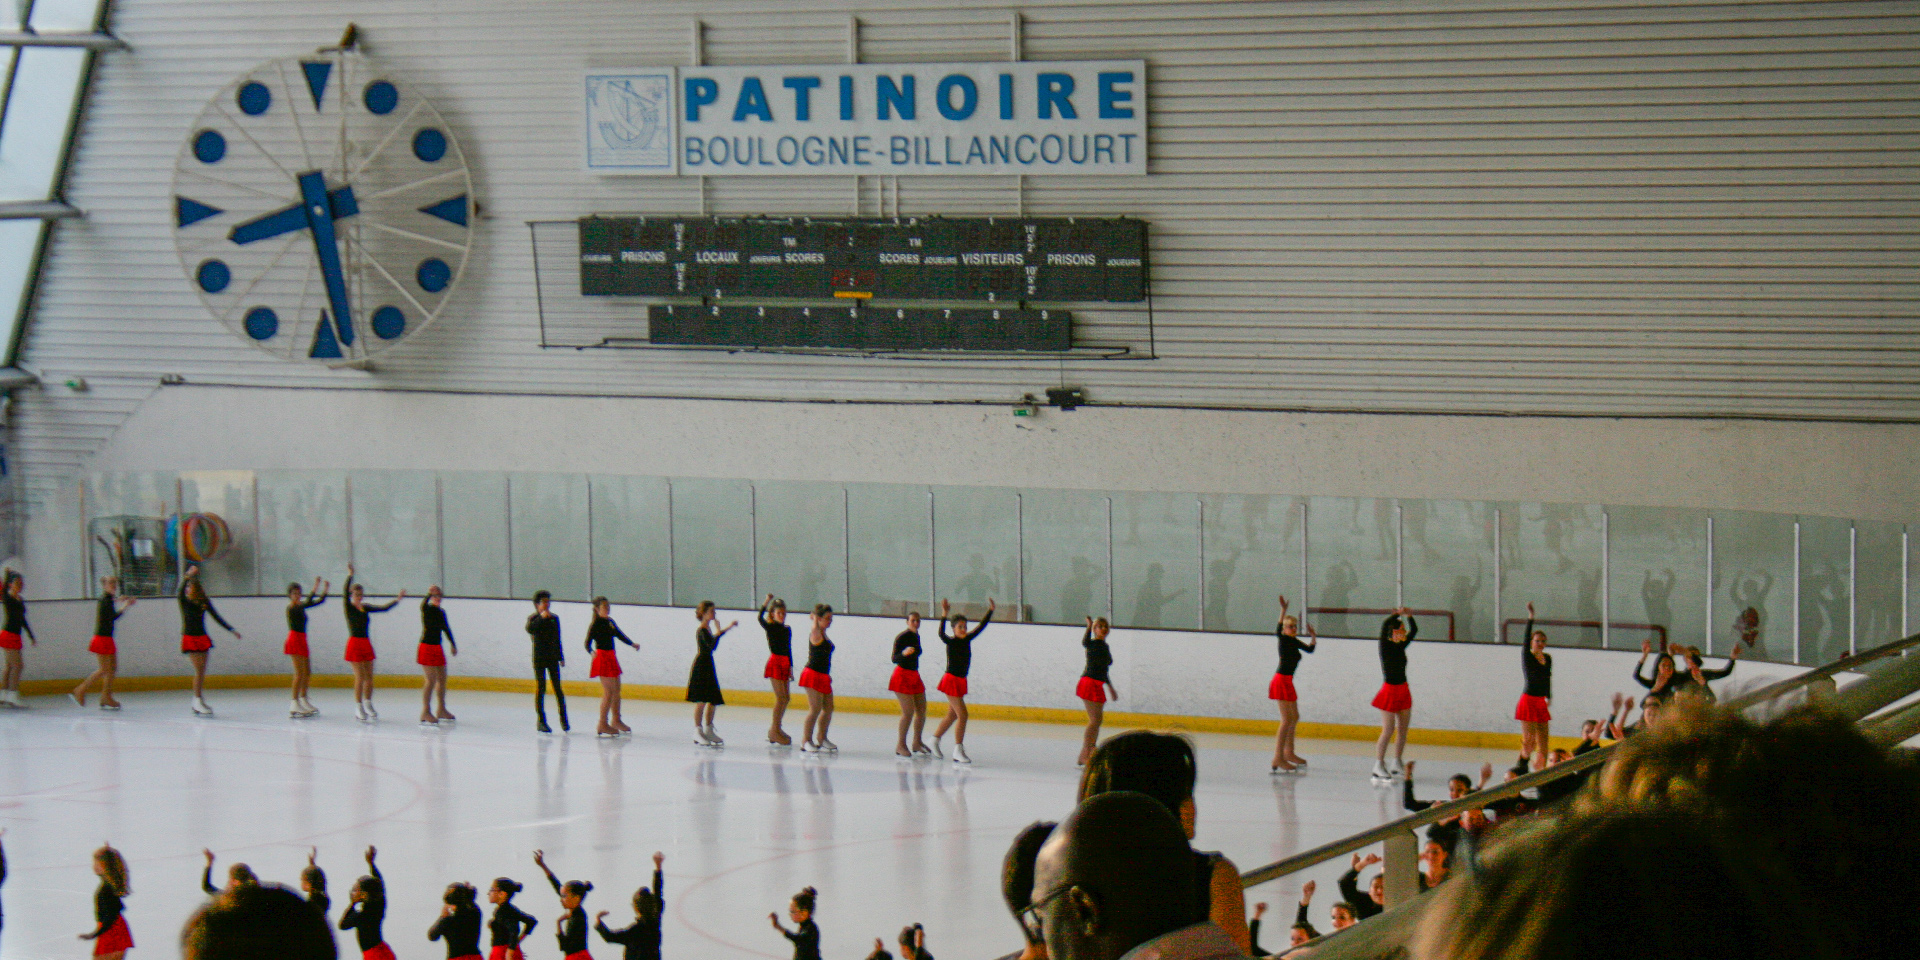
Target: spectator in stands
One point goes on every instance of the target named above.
(1116, 879)
(1555, 790)
(913, 943)
(1016, 883)
(1376, 897)
(1694, 677)
(257, 922)
(1663, 684)
(1796, 839)
(1162, 766)
(1444, 832)
(1344, 915)
(1436, 864)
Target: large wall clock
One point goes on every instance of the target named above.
(321, 209)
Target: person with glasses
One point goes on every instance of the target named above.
(1016, 884)
(1116, 879)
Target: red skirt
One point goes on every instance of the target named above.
(815, 680)
(9, 640)
(430, 655)
(779, 668)
(380, 952)
(360, 650)
(1532, 710)
(1090, 690)
(297, 644)
(104, 646)
(1393, 698)
(199, 644)
(606, 663)
(117, 939)
(1281, 688)
(582, 955)
(506, 953)
(953, 686)
(906, 681)
(470, 956)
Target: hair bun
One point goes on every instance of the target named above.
(810, 891)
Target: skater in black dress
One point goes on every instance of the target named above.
(703, 683)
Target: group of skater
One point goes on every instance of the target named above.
(461, 924)
(955, 632)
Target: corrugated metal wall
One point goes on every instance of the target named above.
(1452, 206)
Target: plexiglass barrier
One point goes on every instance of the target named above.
(1803, 589)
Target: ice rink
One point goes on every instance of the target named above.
(887, 842)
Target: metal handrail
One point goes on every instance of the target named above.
(1580, 764)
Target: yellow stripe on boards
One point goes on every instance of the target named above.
(764, 698)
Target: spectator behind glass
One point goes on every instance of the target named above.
(1162, 766)
(257, 922)
(1016, 884)
(1116, 879)
(1796, 839)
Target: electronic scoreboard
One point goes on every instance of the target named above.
(904, 264)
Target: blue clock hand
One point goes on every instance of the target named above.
(318, 207)
(289, 219)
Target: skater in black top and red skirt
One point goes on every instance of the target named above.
(195, 608)
(110, 936)
(1395, 700)
(703, 682)
(432, 659)
(459, 923)
(1095, 684)
(509, 924)
(908, 688)
(606, 666)
(296, 649)
(953, 683)
(360, 655)
(105, 611)
(1280, 690)
(572, 929)
(367, 911)
(779, 672)
(1536, 667)
(15, 626)
(817, 681)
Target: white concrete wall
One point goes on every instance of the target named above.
(1469, 687)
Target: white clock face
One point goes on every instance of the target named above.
(322, 208)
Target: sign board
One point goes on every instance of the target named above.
(1064, 118)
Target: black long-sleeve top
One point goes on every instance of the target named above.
(206, 880)
(1539, 676)
(641, 941)
(193, 613)
(960, 646)
(1683, 680)
(107, 908)
(509, 925)
(1363, 905)
(461, 929)
(16, 615)
(1393, 656)
(907, 639)
(820, 656)
(433, 624)
(297, 612)
(105, 612)
(321, 902)
(572, 932)
(1290, 650)
(706, 642)
(1660, 693)
(364, 917)
(601, 633)
(1445, 833)
(779, 636)
(359, 618)
(806, 940)
(545, 634)
(1099, 657)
